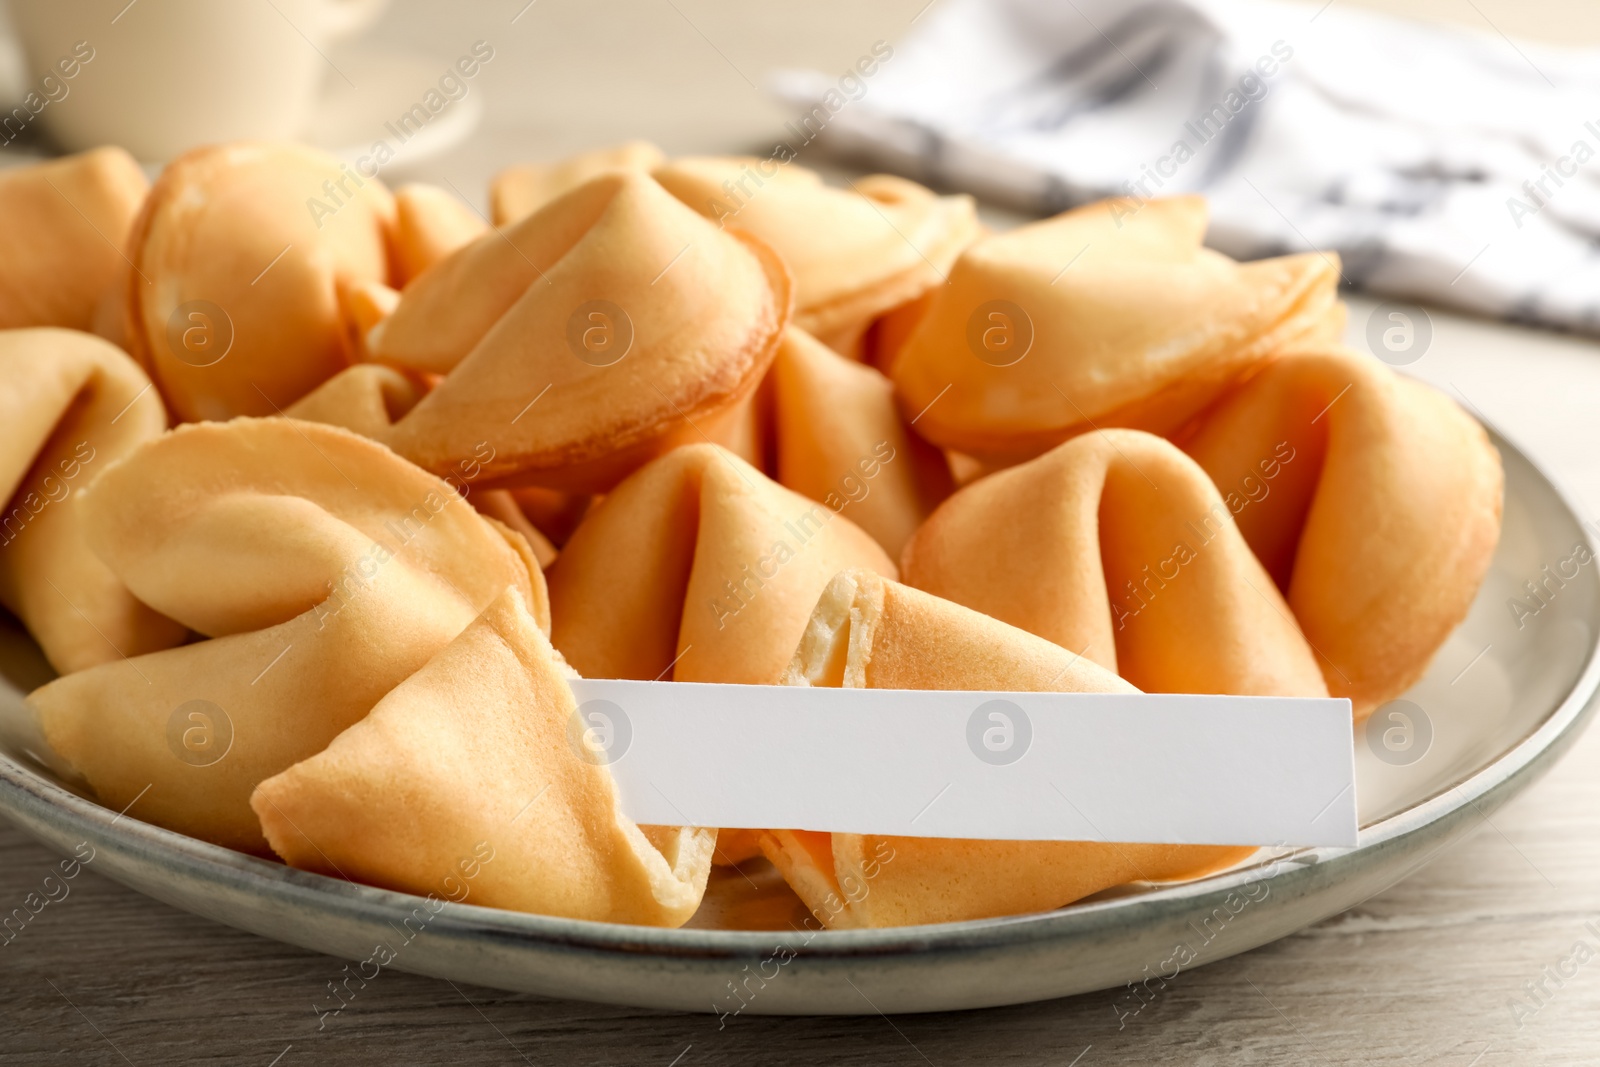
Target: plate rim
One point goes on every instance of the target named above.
(26, 792)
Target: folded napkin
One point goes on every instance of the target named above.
(1443, 164)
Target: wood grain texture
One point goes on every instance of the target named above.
(1423, 974)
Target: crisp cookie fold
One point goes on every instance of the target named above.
(1107, 315)
(368, 399)
(701, 565)
(1117, 546)
(839, 438)
(64, 229)
(474, 751)
(868, 632)
(72, 405)
(430, 224)
(855, 253)
(365, 399)
(323, 568)
(240, 257)
(519, 191)
(1380, 529)
(610, 326)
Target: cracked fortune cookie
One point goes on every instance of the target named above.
(699, 565)
(871, 633)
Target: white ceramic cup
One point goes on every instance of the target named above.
(161, 76)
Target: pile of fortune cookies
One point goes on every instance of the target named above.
(373, 483)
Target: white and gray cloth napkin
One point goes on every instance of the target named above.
(1443, 164)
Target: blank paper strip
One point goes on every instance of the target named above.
(1179, 769)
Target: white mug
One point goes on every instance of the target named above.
(161, 76)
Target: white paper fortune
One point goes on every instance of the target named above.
(1163, 768)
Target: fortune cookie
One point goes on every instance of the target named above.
(1372, 500)
(871, 633)
(605, 329)
(519, 191)
(430, 223)
(465, 779)
(324, 568)
(840, 440)
(701, 565)
(855, 253)
(368, 398)
(554, 513)
(1119, 548)
(71, 406)
(891, 330)
(363, 305)
(63, 240)
(1112, 314)
(239, 258)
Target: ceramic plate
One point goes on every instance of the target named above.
(1506, 696)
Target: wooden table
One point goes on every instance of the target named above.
(1426, 973)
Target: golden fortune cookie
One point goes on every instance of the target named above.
(1107, 315)
(1372, 500)
(839, 439)
(605, 329)
(239, 256)
(466, 775)
(368, 398)
(519, 191)
(700, 565)
(1119, 548)
(323, 568)
(430, 224)
(365, 399)
(64, 228)
(871, 633)
(854, 253)
(72, 405)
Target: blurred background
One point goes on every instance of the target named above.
(1396, 133)
(1409, 135)
(688, 74)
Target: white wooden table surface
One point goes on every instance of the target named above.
(1425, 973)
